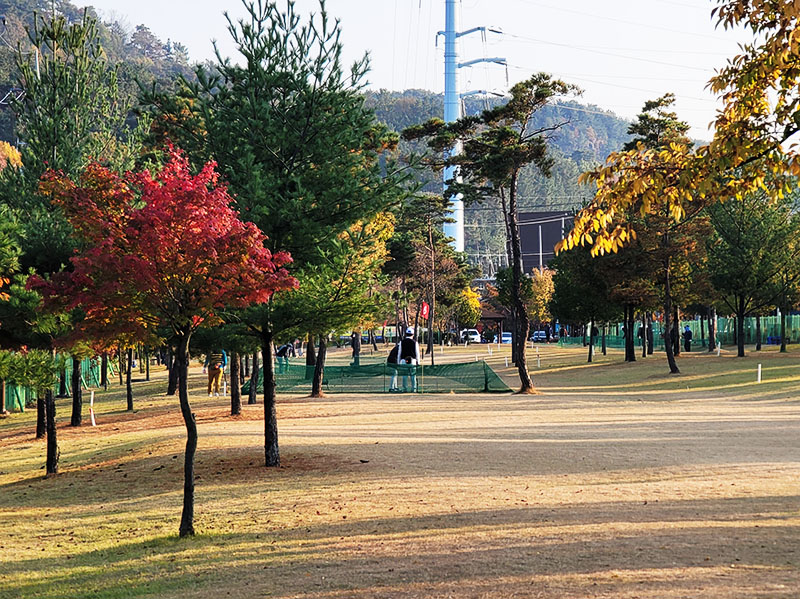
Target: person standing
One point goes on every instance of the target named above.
(687, 339)
(409, 357)
(215, 363)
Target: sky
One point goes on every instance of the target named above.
(620, 52)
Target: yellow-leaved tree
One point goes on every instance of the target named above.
(753, 146)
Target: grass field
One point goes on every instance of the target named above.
(616, 480)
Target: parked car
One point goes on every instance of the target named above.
(539, 337)
(471, 335)
(506, 337)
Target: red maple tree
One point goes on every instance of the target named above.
(159, 251)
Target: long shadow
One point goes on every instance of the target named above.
(583, 448)
(401, 556)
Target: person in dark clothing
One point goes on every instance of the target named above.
(409, 356)
(283, 353)
(687, 339)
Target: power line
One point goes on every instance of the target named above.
(614, 54)
(624, 21)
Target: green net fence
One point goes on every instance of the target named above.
(726, 334)
(467, 377)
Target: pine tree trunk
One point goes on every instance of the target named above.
(187, 516)
(41, 416)
(521, 311)
(272, 454)
(104, 371)
(236, 389)
(319, 369)
(77, 393)
(128, 386)
(758, 333)
(51, 464)
(311, 357)
(252, 397)
(246, 366)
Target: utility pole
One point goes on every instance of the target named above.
(452, 106)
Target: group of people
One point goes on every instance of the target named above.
(404, 357)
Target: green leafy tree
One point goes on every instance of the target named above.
(497, 145)
(753, 254)
(292, 136)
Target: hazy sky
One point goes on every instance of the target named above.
(621, 52)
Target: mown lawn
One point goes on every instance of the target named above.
(617, 480)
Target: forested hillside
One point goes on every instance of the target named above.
(587, 136)
(138, 53)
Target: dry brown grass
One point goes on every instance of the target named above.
(615, 481)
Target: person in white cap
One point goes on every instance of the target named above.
(409, 355)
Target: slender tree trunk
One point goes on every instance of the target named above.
(236, 389)
(187, 516)
(147, 364)
(740, 314)
(104, 371)
(603, 340)
(373, 340)
(702, 330)
(432, 304)
(77, 393)
(272, 454)
(252, 397)
(311, 356)
(319, 369)
(783, 328)
(673, 365)
(758, 332)
(128, 386)
(356, 343)
(140, 357)
(51, 465)
(62, 382)
(591, 340)
(644, 334)
(676, 324)
(521, 311)
(121, 360)
(41, 416)
(246, 366)
(651, 342)
(712, 329)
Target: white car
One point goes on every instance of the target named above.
(506, 337)
(471, 335)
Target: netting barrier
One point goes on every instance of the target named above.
(467, 377)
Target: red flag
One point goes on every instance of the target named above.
(426, 309)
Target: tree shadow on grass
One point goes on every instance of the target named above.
(734, 546)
